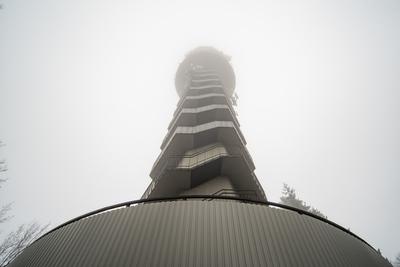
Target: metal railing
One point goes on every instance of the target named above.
(172, 161)
(244, 194)
(196, 114)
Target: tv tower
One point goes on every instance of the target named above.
(204, 151)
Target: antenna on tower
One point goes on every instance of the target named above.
(234, 99)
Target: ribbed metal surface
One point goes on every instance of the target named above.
(199, 233)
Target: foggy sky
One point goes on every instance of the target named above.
(87, 92)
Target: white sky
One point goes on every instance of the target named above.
(87, 92)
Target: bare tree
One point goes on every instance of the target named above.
(5, 208)
(289, 198)
(3, 213)
(3, 166)
(15, 242)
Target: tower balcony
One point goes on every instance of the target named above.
(177, 174)
(186, 138)
(197, 101)
(201, 115)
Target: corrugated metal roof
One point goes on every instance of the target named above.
(199, 233)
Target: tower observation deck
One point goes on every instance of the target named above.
(204, 205)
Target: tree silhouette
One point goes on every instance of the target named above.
(15, 242)
(289, 198)
(396, 262)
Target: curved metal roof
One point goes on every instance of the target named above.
(192, 232)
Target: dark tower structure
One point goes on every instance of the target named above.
(204, 151)
(204, 205)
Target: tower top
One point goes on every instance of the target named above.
(207, 58)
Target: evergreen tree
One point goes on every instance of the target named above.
(289, 198)
(396, 262)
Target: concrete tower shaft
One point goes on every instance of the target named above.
(204, 151)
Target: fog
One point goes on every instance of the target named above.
(87, 92)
